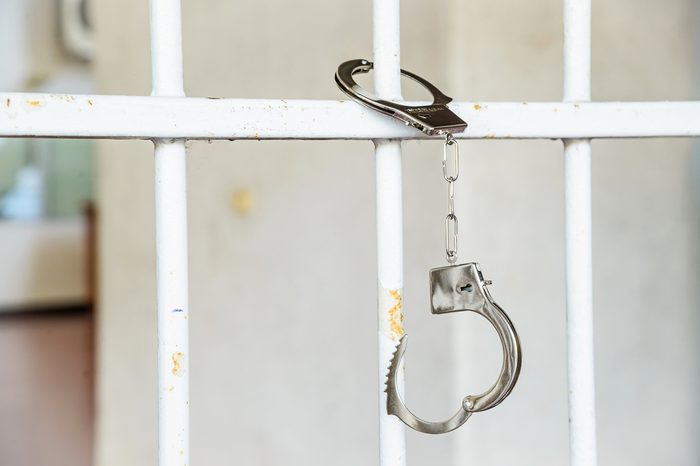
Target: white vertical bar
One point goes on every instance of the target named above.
(387, 84)
(171, 245)
(579, 263)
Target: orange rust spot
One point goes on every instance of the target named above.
(34, 103)
(396, 315)
(477, 107)
(177, 362)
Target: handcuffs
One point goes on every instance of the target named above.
(453, 288)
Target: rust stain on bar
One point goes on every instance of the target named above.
(177, 362)
(396, 315)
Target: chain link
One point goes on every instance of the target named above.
(451, 222)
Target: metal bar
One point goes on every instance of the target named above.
(128, 117)
(171, 244)
(387, 84)
(579, 263)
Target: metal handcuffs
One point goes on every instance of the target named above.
(453, 288)
(432, 119)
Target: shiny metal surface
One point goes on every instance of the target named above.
(433, 119)
(454, 289)
(451, 222)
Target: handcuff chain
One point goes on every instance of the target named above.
(451, 222)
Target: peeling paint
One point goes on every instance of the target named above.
(177, 362)
(396, 315)
(391, 314)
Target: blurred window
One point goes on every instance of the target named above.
(45, 178)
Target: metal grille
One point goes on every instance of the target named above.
(169, 119)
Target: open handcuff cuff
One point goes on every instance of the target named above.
(453, 288)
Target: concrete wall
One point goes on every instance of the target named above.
(283, 290)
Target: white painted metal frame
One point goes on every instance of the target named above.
(131, 117)
(387, 85)
(171, 245)
(168, 118)
(579, 253)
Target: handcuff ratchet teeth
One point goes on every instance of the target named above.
(433, 119)
(458, 288)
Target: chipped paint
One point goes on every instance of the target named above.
(34, 103)
(396, 315)
(177, 362)
(477, 106)
(90, 102)
(391, 301)
(7, 103)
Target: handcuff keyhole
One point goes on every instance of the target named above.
(468, 288)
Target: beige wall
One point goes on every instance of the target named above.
(644, 238)
(283, 297)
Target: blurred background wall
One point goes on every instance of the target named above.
(46, 326)
(282, 245)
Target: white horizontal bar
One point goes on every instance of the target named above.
(126, 117)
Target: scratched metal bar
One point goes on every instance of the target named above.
(131, 117)
(171, 245)
(579, 253)
(387, 84)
